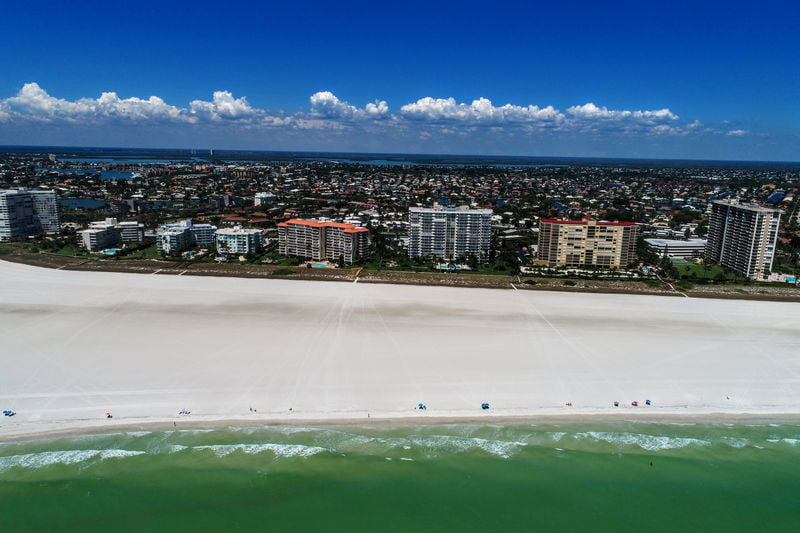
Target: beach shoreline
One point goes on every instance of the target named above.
(78, 344)
(393, 277)
(77, 428)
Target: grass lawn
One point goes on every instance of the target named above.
(70, 250)
(151, 252)
(279, 259)
(707, 272)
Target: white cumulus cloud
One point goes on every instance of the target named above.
(426, 117)
(34, 103)
(222, 106)
(326, 105)
(480, 111)
(591, 111)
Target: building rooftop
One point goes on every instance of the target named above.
(237, 231)
(747, 206)
(460, 209)
(676, 242)
(585, 222)
(321, 224)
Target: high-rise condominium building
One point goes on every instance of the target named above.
(323, 240)
(576, 243)
(742, 237)
(450, 233)
(25, 212)
(238, 241)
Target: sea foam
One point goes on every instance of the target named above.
(282, 450)
(66, 457)
(645, 442)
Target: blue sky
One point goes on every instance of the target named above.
(718, 80)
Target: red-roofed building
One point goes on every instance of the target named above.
(576, 243)
(322, 240)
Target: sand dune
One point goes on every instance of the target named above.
(75, 344)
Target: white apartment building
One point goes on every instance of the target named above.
(25, 212)
(180, 236)
(174, 241)
(743, 237)
(677, 248)
(449, 233)
(100, 236)
(262, 198)
(103, 234)
(131, 231)
(201, 234)
(323, 240)
(238, 241)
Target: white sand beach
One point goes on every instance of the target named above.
(74, 345)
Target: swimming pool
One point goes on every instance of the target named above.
(319, 265)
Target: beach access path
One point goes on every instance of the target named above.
(75, 345)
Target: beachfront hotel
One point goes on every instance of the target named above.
(25, 212)
(577, 243)
(323, 240)
(238, 241)
(742, 237)
(449, 233)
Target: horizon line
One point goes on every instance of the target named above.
(6, 147)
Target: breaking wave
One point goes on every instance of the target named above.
(420, 443)
(645, 442)
(282, 450)
(65, 457)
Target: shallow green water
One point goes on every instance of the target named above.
(557, 477)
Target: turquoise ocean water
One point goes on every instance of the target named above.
(604, 476)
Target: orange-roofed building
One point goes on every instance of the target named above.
(323, 240)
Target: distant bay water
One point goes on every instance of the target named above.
(410, 162)
(144, 156)
(614, 476)
(81, 203)
(104, 174)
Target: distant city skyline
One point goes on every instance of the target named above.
(709, 81)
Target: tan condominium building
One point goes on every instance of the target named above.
(323, 240)
(577, 243)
